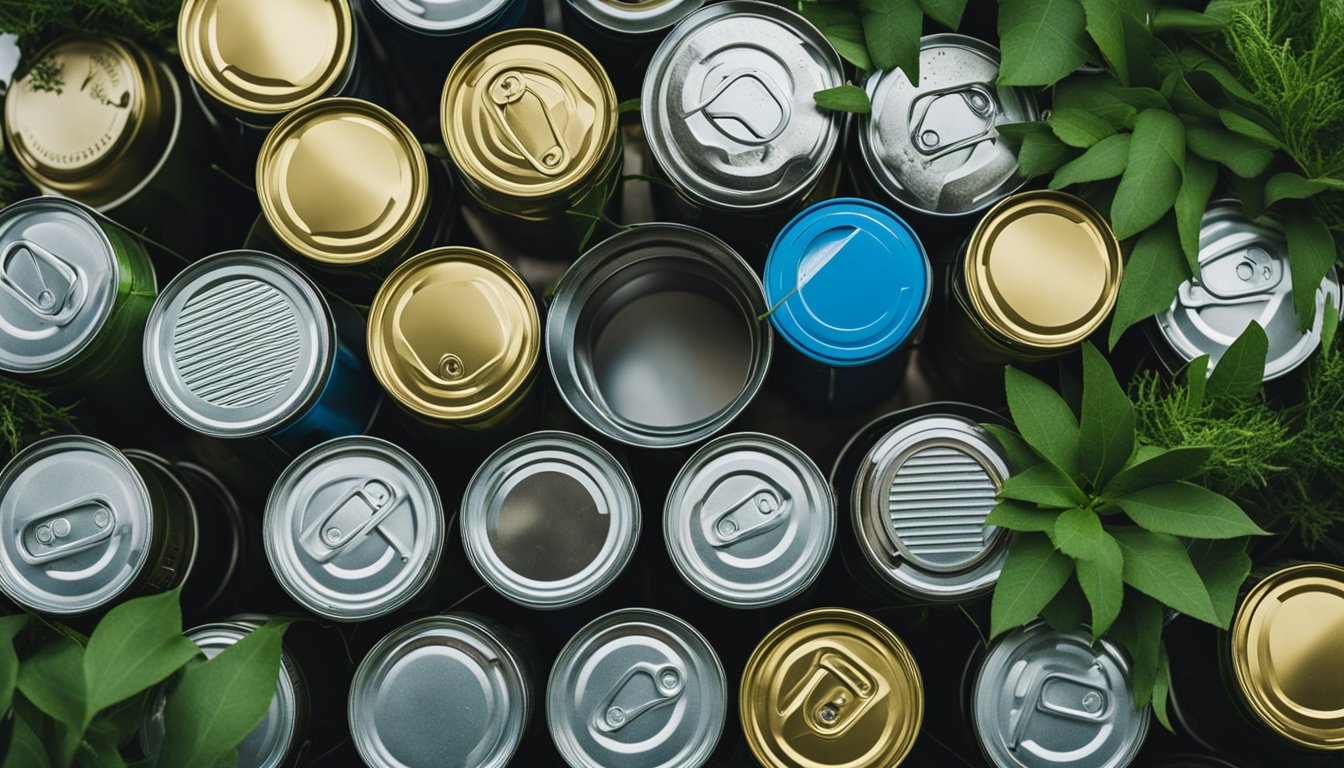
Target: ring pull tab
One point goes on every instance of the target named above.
(1237, 276)
(525, 118)
(360, 510)
(759, 510)
(835, 695)
(66, 530)
(952, 119)
(645, 687)
(45, 283)
(1058, 694)
(747, 107)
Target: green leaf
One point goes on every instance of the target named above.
(1152, 179)
(25, 749)
(1043, 419)
(1101, 578)
(945, 12)
(1107, 28)
(891, 30)
(1200, 67)
(53, 680)
(1185, 509)
(1251, 193)
(1197, 182)
(1139, 630)
(9, 660)
(1077, 533)
(1044, 484)
(1331, 323)
(1107, 99)
(1311, 254)
(1106, 430)
(98, 751)
(840, 23)
(1240, 371)
(1157, 565)
(1079, 128)
(1105, 160)
(1019, 455)
(1017, 516)
(118, 723)
(1249, 128)
(1162, 688)
(136, 645)
(1031, 577)
(1224, 566)
(1295, 186)
(1153, 273)
(1040, 153)
(1167, 465)
(844, 98)
(1042, 41)
(1068, 610)
(1196, 381)
(629, 105)
(1245, 157)
(1185, 20)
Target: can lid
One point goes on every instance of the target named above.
(728, 109)
(749, 521)
(58, 282)
(238, 343)
(310, 153)
(266, 57)
(1044, 698)
(935, 147)
(1036, 233)
(354, 528)
(831, 688)
(78, 520)
(442, 16)
(443, 690)
(550, 519)
(847, 282)
(454, 334)
(643, 17)
(919, 505)
(1287, 654)
(637, 688)
(1244, 277)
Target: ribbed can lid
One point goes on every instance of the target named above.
(643, 17)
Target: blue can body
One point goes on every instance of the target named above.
(347, 405)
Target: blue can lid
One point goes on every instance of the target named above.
(853, 280)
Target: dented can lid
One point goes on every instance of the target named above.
(644, 17)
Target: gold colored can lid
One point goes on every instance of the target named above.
(831, 688)
(266, 57)
(1288, 654)
(343, 181)
(1042, 269)
(454, 334)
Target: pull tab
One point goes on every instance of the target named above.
(1062, 695)
(1236, 277)
(71, 528)
(643, 688)
(526, 119)
(747, 107)
(835, 696)
(357, 512)
(952, 119)
(761, 509)
(46, 284)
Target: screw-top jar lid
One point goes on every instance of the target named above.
(443, 17)
(643, 17)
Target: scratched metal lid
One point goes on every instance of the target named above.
(442, 17)
(1244, 277)
(354, 528)
(76, 523)
(444, 691)
(641, 17)
(637, 688)
(728, 109)
(935, 147)
(749, 521)
(1044, 699)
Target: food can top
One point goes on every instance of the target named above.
(238, 343)
(528, 113)
(1244, 277)
(936, 147)
(749, 521)
(643, 17)
(266, 57)
(1288, 656)
(354, 528)
(444, 691)
(454, 334)
(442, 16)
(550, 519)
(847, 282)
(310, 154)
(1044, 698)
(1037, 233)
(728, 109)
(77, 521)
(58, 282)
(637, 688)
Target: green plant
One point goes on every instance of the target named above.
(26, 414)
(35, 24)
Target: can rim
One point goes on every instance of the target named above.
(643, 18)
(396, 11)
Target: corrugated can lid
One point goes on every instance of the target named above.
(643, 17)
(443, 16)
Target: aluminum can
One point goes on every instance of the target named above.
(454, 337)
(749, 521)
(440, 29)
(831, 688)
(550, 520)
(622, 34)
(848, 284)
(1043, 698)
(654, 336)
(241, 344)
(449, 690)
(354, 529)
(636, 688)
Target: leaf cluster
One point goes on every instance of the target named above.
(26, 414)
(37, 23)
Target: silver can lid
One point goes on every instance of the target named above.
(354, 528)
(442, 16)
(634, 18)
(919, 503)
(550, 519)
(1044, 699)
(238, 344)
(77, 522)
(936, 148)
(636, 688)
(1244, 276)
(749, 521)
(728, 109)
(58, 282)
(444, 691)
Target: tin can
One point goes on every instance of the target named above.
(440, 29)
(354, 529)
(654, 336)
(636, 688)
(448, 690)
(848, 284)
(831, 688)
(550, 520)
(623, 33)
(749, 521)
(1192, 761)
(241, 344)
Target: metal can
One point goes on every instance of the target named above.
(448, 690)
(636, 688)
(831, 688)
(1244, 277)
(654, 336)
(550, 520)
(1043, 698)
(440, 29)
(749, 521)
(242, 344)
(623, 33)
(454, 336)
(354, 529)
(848, 284)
